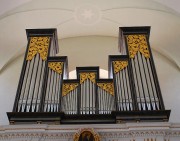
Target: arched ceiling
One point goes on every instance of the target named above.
(74, 18)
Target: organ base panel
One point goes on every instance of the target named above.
(114, 117)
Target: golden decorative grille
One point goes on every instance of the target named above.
(109, 87)
(56, 66)
(38, 45)
(119, 65)
(91, 76)
(68, 87)
(137, 43)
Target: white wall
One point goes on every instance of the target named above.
(88, 50)
(81, 52)
(169, 79)
(8, 85)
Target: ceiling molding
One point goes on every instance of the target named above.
(19, 12)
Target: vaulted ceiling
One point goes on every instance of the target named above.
(74, 18)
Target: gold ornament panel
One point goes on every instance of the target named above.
(119, 65)
(56, 66)
(38, 45)
(68, 87)
(109, 87)
(137, 43)
(90, 75)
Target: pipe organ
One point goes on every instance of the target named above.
(46, 95)
(147, 89)
(125, 100)
(105, 92)
(41, 45)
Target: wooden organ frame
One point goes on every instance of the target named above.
(46, 95)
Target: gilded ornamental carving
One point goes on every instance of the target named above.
(109, 87)
(137, 43)
(86, 134)
(68, 87)
(56, 66)
(90, 75)
(38, 45)
(119, 65)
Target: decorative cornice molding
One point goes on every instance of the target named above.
(66, 135)
(105, 131)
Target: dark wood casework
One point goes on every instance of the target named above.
(46, 95)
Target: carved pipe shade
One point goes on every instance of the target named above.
(56, 66)
(68, 87)
(109, 87)
(137, 43)
(38, 45)
(119, 65)
(91, 76)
